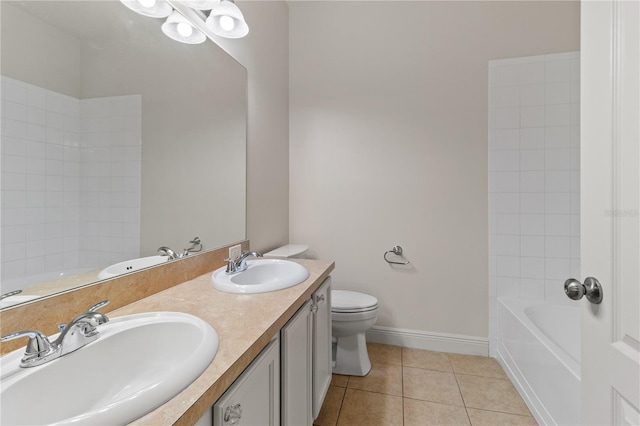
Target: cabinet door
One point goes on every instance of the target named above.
(296, 337)
(321, 345)
(254, 398)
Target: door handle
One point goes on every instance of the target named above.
(591, 288)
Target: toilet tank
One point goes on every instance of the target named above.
(295, 251)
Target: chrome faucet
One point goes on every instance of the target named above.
(166, 251)
(196, 246)
(80, 331)
(240, 264)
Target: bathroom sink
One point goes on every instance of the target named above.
(131, 266)
(261, 276)
(138, 363)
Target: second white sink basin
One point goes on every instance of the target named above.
(131, 266)
(138, 363)
(261, 276)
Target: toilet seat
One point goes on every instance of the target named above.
(343, 301)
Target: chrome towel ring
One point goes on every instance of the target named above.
(397, 250)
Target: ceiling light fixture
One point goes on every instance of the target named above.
(178, 28)
(150, 8)
(187, 23)
(201, 4)
(227, 21)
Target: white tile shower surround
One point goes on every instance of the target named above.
(534, 179)
(70, 180)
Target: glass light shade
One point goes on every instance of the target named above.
(151, 8)
(227, 21)
(179, 29)
(201, 4)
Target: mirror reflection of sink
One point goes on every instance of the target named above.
(18, 298)
(130, 266)
(261, 276)
(138, 363)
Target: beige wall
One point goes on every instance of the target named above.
(56, 61)
(265, 54)
(388, 144)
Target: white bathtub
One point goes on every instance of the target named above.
(539, 346)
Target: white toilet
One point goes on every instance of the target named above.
(352, 314)
(294, 251)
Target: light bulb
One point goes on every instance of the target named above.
(184, 29)
(147, 3)
(227, 23)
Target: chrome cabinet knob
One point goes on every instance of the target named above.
(233, 414)
(591, 288)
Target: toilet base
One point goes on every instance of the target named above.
(352, 358)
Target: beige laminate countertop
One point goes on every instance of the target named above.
(245, 324)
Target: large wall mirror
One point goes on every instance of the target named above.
(116, 140)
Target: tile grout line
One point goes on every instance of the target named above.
(402, 381)
(455, 375)
(344, 394)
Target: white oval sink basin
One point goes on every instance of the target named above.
(138, 363)
(131, 266)
(261, 276)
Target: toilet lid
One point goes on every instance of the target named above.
(290, 250)
(352, 301)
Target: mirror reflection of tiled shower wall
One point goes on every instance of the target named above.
(70, 178)
(110, 168)
(534, 179)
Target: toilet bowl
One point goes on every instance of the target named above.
(352, 314)
(292, 251)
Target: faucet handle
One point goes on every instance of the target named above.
(232, 268)
(98, 305)
(38, 347)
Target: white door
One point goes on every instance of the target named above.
(610, 192)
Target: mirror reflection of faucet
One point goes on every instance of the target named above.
(166, 251)
(80, 331)
(196, 246)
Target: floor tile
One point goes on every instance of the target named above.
(330, 407)
(339, 380)
(425, 413)
(492, 418)
(383, 378)
(487, 393)
(431, 360)
(431, 385)
(384, 354)
(477, 366)
(370, 409)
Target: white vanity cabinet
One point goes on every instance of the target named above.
(306, 359)
(286, 384)
(254, 398)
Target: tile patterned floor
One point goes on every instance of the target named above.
(409, 387)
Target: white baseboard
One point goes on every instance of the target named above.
(432, 341)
